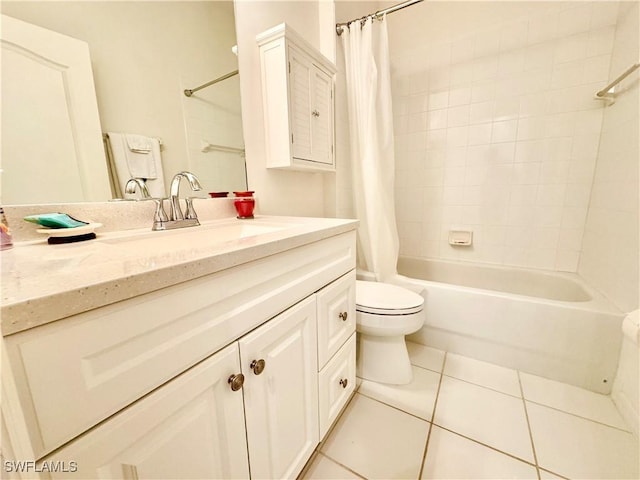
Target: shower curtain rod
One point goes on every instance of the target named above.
(378, 14)
(188, 92)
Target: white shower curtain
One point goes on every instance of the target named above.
(366, 55)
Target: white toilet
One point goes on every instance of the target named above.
(385, 313)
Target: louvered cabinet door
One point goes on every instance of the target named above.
(301, 110)
(322, 118)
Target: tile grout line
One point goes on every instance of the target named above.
(393, 407)
(343, 466)
(511, 455)
(579, 416)
(526, 414)
(483, 386)
(433, 416)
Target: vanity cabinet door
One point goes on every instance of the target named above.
(191, 428)
(281, 392)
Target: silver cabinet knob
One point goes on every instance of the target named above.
(343, 316)
(344, 382)
(257, 366)
(236, 381)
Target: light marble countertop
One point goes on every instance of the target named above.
(42, 283)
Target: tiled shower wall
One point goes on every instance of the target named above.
(497, 131)
(609, 259)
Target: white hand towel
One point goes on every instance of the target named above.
(138, 143)
(130, 164)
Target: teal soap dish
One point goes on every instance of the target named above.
(70, 235)
(55, 220)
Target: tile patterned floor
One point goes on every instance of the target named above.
(465, 419)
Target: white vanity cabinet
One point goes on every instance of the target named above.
(217, 377)
(194, 427)
(298, 102)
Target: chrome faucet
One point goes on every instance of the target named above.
(176, 218)
(138, 184)
(176, 211)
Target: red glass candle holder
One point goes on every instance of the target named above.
(248, 193)
(244, 206)
(218, 194)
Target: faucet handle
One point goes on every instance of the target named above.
(190, 213)
(160, 215)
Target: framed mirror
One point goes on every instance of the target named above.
(143, 56)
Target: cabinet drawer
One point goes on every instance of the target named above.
(336, 316)
(336, 383)
(71, 374)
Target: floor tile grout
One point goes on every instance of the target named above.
(526, 414)
(482, 386)
(343, 466)
(511, 455)
(579, 416)
(394, 407)
(433, 416)
(522, 395)
(432, 423)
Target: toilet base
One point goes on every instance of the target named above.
(384, 359)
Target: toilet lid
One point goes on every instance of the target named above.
(386, 299)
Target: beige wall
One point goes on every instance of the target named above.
(279, 192)
(610, 254)
(144, 54)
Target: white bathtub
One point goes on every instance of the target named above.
(547, 324)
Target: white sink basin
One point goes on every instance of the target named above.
(205, 235)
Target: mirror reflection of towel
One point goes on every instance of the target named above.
(137, 156)
(138, 143)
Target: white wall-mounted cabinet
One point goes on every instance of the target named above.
(298, 102)
(141, 388)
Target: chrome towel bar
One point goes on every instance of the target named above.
(603, 93)
(190, 91)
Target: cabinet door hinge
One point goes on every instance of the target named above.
(289, 66)
(292, 138)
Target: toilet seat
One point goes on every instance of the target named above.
(386, 299)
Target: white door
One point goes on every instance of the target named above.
(191, 428)
(52, 148)
(281, 397)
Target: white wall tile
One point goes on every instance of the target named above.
(504, 131)
(458, 116)
(481, 112)
(511, 133)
